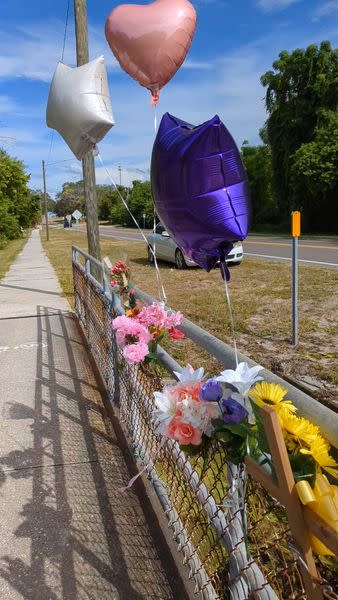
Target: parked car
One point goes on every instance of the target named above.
(166, 249)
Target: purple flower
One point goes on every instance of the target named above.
(233, 411)
(211, 391)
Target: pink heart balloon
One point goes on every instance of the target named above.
(151, 42)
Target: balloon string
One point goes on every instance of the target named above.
(158, 275)
(232, 324)
(161, 290)
(155, 119)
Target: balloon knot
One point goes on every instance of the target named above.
(224, 271)
(155, 97)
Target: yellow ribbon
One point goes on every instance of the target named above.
(323, 500)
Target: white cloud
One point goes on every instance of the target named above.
(197, 65)
(30, 50)
(228, 85)
(7, 105)
(270, 5)
(325, 9)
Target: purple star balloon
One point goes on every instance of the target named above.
(200, 188)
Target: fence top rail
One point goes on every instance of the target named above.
(308, 407)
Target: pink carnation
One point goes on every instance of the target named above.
(155, 315)
(125, 326)
(135, 353)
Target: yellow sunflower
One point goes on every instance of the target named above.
(319, 450)
(272, 394)
(301, 430)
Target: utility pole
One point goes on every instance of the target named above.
(88, 166)
(120, 173)
(45, 198)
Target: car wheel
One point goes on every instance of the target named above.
(179, 260)
(150, 255)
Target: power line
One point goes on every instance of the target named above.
(65, 32)
(57, 162)
(62, 57)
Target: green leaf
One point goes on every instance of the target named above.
(191, 450)
(239, 429)
(303, 467)
(218, 424)
(223, 436)
(261, 437)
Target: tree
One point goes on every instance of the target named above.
(40, 196)
(314, 176)
(70, 198)
(107, 197)
(258, 166)
(139, 200)
(18, 207)
(299, 87)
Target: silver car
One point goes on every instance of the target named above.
(166, 249)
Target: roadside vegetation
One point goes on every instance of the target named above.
(19, 206)
(261, 303)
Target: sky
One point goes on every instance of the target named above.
(235, 43)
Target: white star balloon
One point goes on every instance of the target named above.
(79, 106)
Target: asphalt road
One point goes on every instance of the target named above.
(319, 252)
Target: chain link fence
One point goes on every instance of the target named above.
(232, 551)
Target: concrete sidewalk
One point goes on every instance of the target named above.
(66, 533)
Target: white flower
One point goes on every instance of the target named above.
(243, 378)
(166, 403)
(199, 414)
(188, 375)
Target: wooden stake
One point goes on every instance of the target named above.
(287, 494)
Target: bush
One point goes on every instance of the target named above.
(9, 225)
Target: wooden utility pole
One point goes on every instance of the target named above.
(88, 166)
(45, 198)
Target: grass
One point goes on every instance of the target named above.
(261, 303)
(9, 253)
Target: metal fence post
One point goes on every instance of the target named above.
(295, 317)
(295, 216)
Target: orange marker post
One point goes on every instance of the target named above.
(295, 231)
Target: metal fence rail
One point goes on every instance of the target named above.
(207, 526)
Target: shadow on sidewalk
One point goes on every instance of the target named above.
(87, 541)
(20, 287)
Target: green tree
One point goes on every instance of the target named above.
(70, 198)
(299, 87)
(139, 200)
(18, 207)
(40, 196)
(258, 166)
(107, 198)
(314, 176)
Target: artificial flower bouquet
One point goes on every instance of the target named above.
(140, 331)
(121, 280)
(141, 328)
(195, 411)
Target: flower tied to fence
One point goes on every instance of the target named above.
(142, 327)
(193, 412)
